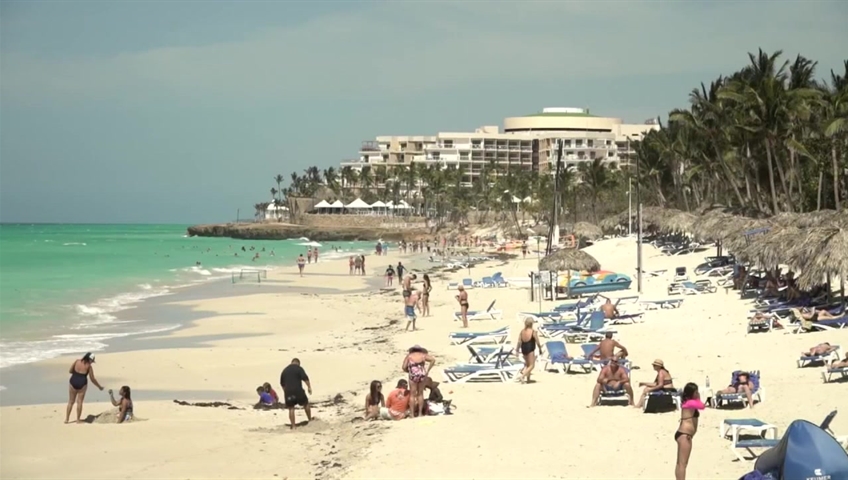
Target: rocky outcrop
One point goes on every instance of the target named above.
(282, 231)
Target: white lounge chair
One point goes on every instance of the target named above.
(805, 360)
(497, 372)
(498, 336)
(488, 314)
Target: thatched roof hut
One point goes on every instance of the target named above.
(679, 222)
(769, 250)
(569, 259)
(587, 230)
(822, 252)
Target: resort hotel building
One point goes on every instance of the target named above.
(528, 142)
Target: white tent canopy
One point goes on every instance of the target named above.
(323, 204)
(378, 204)
(358, 203)
(402, 205)
(336, 204)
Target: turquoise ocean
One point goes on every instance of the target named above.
(61, 285)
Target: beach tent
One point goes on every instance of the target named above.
(379, 207)
(321, 205)
(336, 204)
(402, 205)
(357, 204)
(805, 451)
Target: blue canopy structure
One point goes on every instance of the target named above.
(805, 452)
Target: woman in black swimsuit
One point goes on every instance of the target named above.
(425, 297)
(80, 371)
(661, 383)
(528, 340)
(462, 298)
(689, 412)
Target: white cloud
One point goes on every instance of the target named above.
(403, 47)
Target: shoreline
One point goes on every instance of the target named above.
(102, 315)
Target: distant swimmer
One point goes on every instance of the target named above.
(256, 256)
(197, 264)
(81, 370)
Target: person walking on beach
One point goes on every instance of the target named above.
(390, 275)
(301, 262)
(400, 270)
(350, 263)
(292, 380)
(362, 270)
(309, 254)
(414, 364)
(462, 298)
(528, 340)
(81, 370)
(315, 254)
(690, 410)
(425, 296)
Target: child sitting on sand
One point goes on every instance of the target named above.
(270, 391)
(264, 397)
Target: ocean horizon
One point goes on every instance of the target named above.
(62, 284)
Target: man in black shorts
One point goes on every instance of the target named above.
(292, 380)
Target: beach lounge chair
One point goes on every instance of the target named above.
(662, 304)
(609, 395)
(805, 360)
(680, 274)
(467, 283)
(500, 282)
(469, 338)
(828, 373)
(556, 330)
(661, 400)
(488, 314)
(825, 425)
(491, 355)
(496, 372)
(733, 428)
(487, 282)
(758, 395)
(558, 355)
(592, 330)
(453, 285)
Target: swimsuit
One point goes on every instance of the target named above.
(409, 310)
(529, 346)
(417, 373)
(79, 380)
(694, 404)
(128, 415)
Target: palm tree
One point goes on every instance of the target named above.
(596, 179)
(279, 179)
(836, 124)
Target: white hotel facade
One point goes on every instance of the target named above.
(528, 142)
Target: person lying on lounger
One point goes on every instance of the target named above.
(840, 363)
(606, 350)
(612, 378)
(742, 385)
(820, 349)
(762, 318)
(812, 314)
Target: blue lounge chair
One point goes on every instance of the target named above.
(758, 394)
(593, 329)
(805, 360)
(467, 283)
(499, 280)
(498, 336)
(558, 355)
(487, 282)
(828, 373)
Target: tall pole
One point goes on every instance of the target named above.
(555, 212)
(638, 221)
(629, 206)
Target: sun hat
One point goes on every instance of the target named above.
(658, 363)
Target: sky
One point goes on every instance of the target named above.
(184, 111)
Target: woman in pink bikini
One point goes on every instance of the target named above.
(690, 410)
(417, 364)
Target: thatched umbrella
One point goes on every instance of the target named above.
(769, 250)
(587, 230)
(610, 223)
(821, 253)
(680, 222)
(565, 260)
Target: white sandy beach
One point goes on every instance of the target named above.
(345, 340)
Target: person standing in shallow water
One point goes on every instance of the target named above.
(81, 370)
